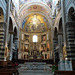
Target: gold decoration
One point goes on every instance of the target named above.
(64, 52)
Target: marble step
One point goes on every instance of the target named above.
(35, 63)
(35, 68)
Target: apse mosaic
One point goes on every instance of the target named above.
(24, 21)
(34, 23)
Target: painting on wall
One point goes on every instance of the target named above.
(43, 38)
(26, 48)
(43, 47)
(34, 8)
(48, 47)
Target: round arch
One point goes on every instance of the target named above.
(15, 32)
(35, 3)
(1, 15)
(10, 25)
(55, 33)
(60, 28)
(71, 14)
(23, 11)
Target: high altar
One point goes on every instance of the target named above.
(31, 48)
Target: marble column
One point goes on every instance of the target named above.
(16, 42)
(60, 46)
(2, 39)
(63, 20)
(11, 45)
(70, 28)
(7, 23)
(16, 47)
(55, 42)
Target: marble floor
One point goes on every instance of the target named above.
(35, 69)
(36, 73)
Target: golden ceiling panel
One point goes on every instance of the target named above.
(35, 23)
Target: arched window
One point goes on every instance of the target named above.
(34, 38)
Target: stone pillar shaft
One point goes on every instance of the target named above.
(70, 40)
(11, 46)
(55, 42)
(60, 46)
(7, 21)
(2, 39)
(63, 20)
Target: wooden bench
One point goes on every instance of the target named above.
(73, 65)
(6, 73)
(7, 68)
(64, 73)
(13, 71)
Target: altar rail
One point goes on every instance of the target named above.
(21, 61)
(64, 73)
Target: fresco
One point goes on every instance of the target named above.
(48, 2)
(34, 8)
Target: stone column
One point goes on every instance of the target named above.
(2, 39)
(55, 42)
(70, 28)
(16, 42)
(63, 20)
(60, 46)
(16, 47)
(11, 45)
(7, 22)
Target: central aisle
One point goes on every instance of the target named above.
(35, 68)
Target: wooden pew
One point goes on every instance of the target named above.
(6, 67)
(73, 65)
(10, 71)
(64, 73)
(6, 73)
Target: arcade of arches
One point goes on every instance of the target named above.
(38, 31)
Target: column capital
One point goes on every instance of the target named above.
(70, 23)
(15, 38)
(11, 32)
(60, 33)
(55, 38)
(3, 23)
